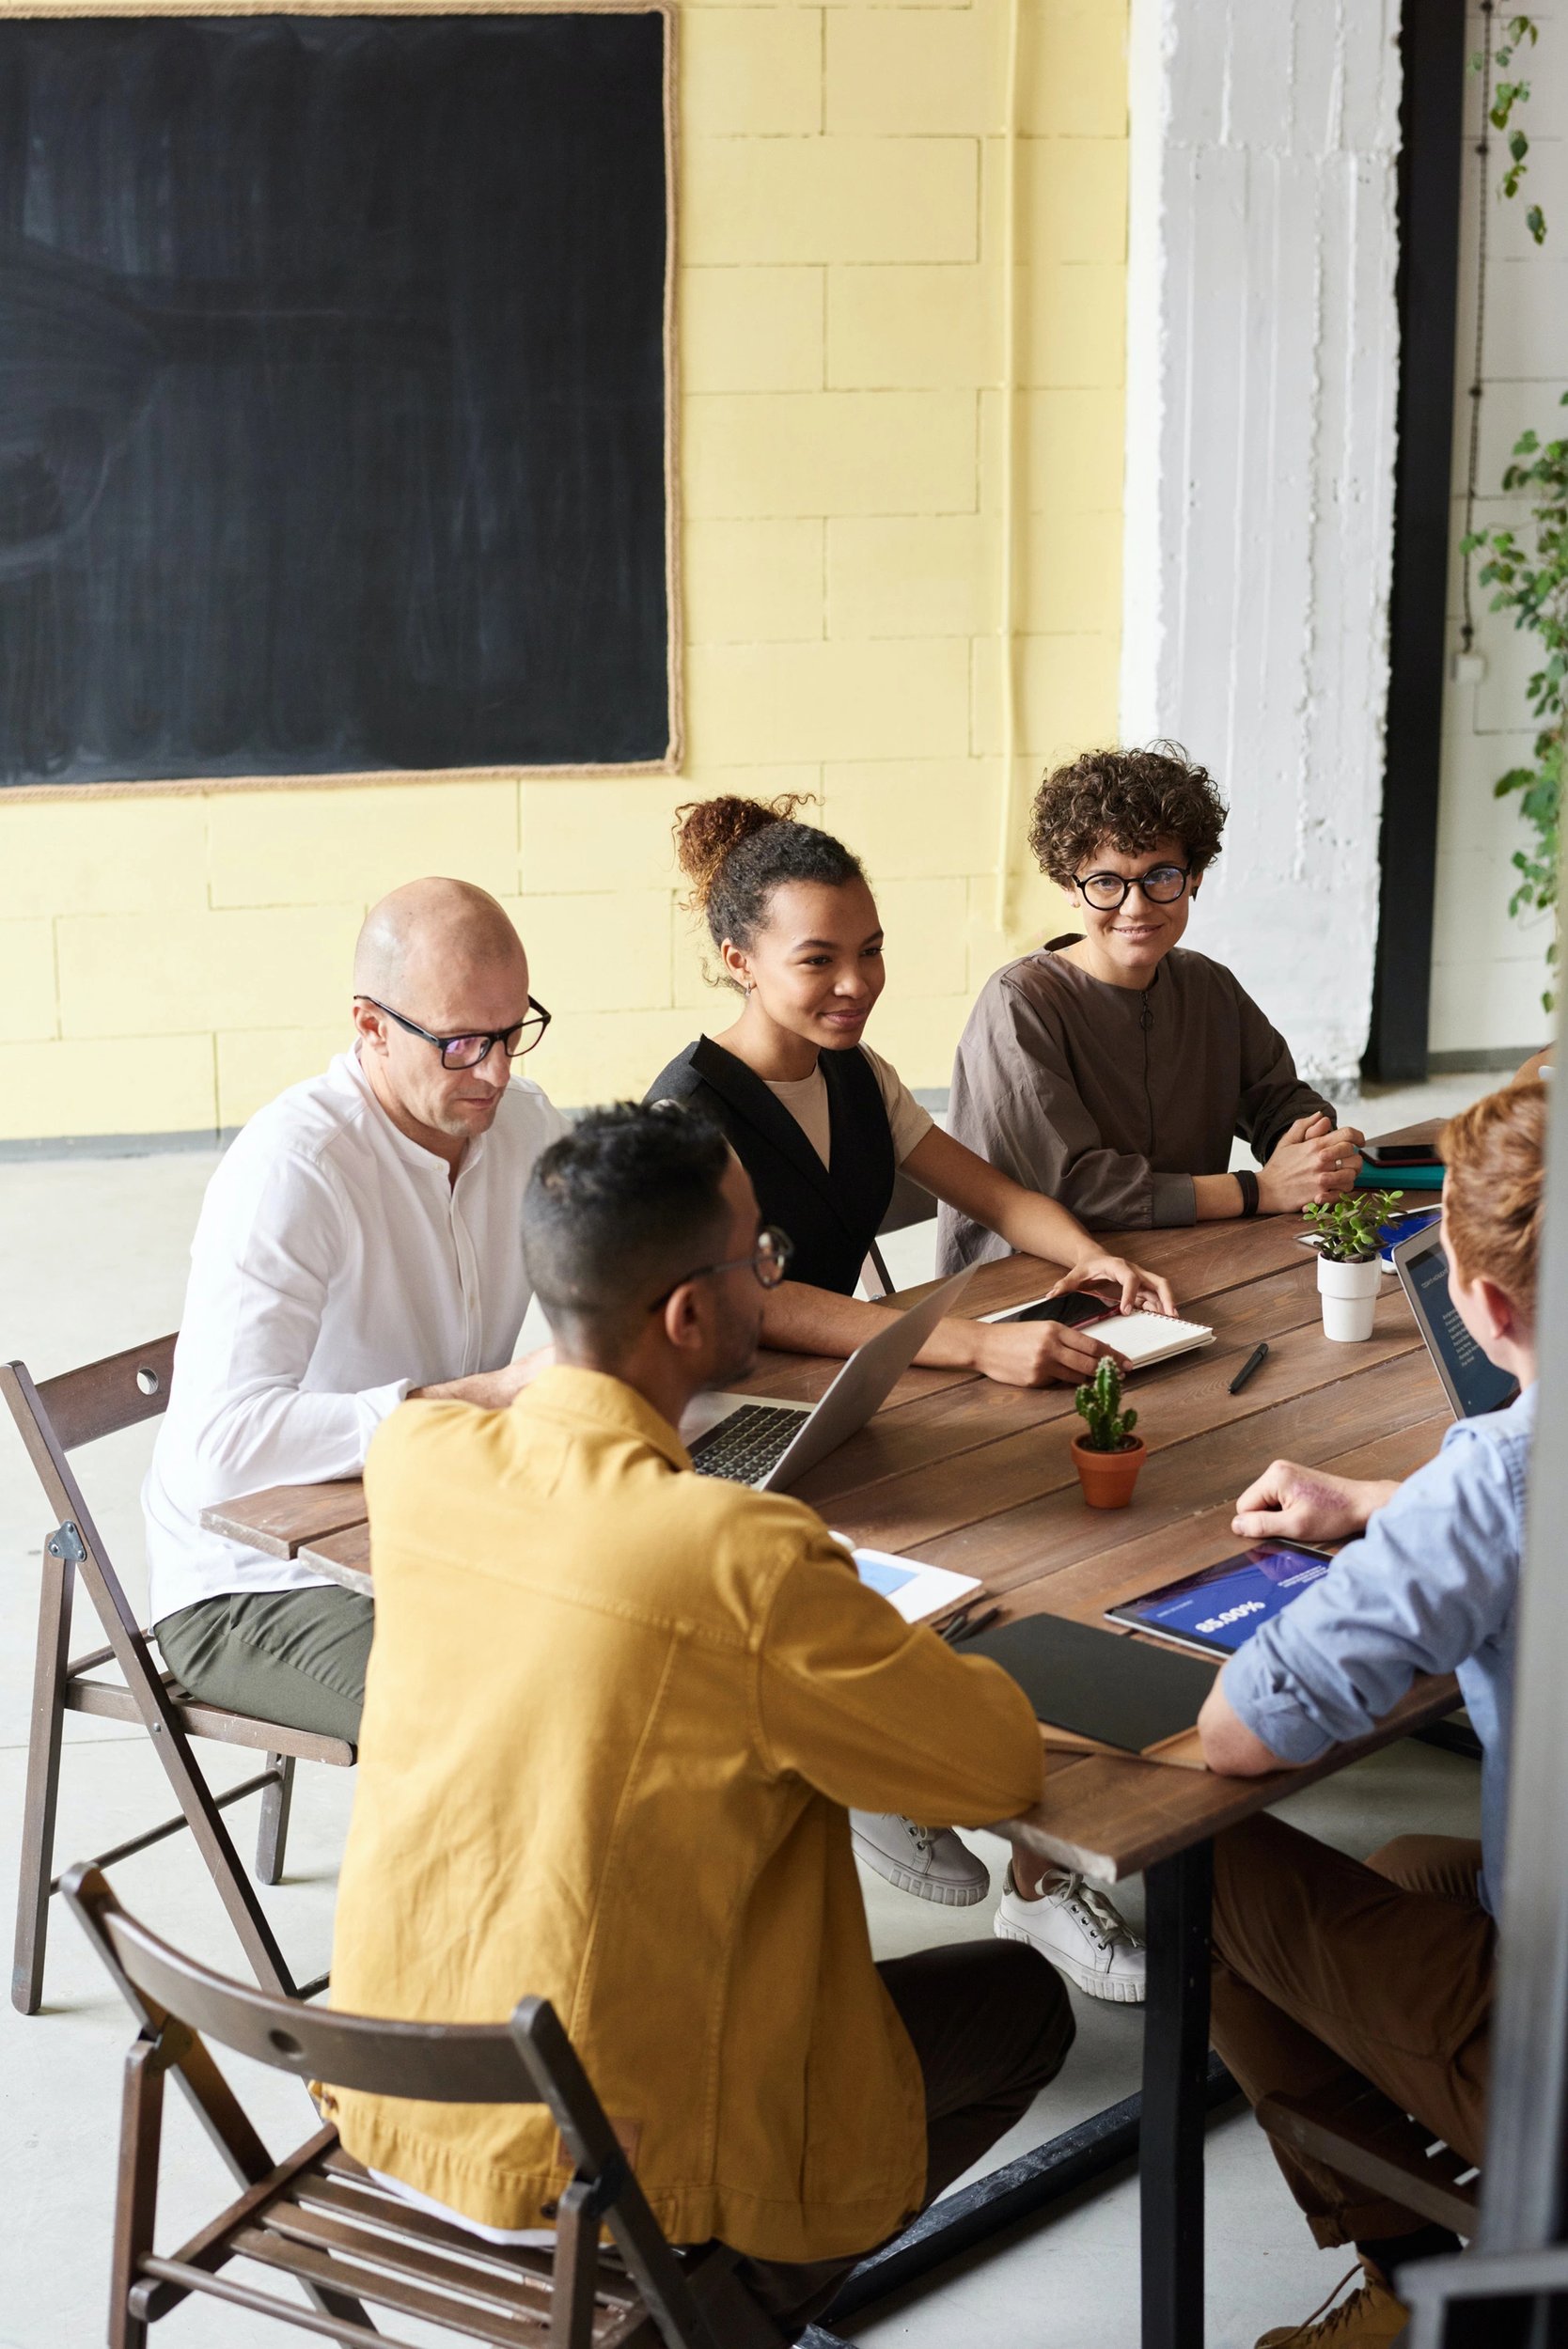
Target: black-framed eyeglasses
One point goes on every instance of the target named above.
(1162, 884)
(466, 1052)
(769, 1261)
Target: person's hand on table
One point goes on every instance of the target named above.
(1126, 1288)
(1291, 1503)
(1313, 1161)
(1033, 1353)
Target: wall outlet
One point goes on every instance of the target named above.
(1468, 669)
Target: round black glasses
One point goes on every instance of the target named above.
(769, 1261)
(1162, 884)
(466, 1052)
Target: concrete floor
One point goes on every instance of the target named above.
(92, 1257)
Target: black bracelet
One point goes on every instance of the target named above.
(1249, 1183)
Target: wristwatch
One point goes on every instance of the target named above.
(1249, 1183)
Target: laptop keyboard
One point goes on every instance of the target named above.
(750, 1441)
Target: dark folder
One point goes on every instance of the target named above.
(1099, 1685)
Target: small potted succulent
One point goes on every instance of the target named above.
(1107, 1455)
(1349, 1274)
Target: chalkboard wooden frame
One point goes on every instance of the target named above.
(672, 759)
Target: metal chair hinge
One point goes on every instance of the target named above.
(607, 2187)
(171, 2041)
(65, 1543)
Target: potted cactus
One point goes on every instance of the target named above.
(1107, 1455)
(1349, 1274)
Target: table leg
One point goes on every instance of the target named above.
(1175, 2069)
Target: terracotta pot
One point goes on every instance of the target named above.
(1349, 1293)
(1108, 1478)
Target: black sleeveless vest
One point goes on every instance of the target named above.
(832, 1217)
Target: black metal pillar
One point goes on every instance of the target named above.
(1432, 41)
(1175, 2072)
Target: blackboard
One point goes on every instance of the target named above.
(334, 376)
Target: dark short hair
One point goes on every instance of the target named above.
(621, 1207)
(1126, 800)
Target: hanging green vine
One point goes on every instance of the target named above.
(1531, 582)
(1506, 98)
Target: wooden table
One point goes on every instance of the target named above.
(980, 1477)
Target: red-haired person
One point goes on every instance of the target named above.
(822, 1124)
(1328, 1972)
(1114, 1067)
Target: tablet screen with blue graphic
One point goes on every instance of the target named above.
(1217, 1610)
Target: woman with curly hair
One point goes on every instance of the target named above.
(822, 1125)
(1114, 1067)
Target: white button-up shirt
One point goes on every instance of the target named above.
(335, 1266)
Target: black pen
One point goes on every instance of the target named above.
(968, 1629)
(1255, 1361)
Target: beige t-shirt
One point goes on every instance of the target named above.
(806, 1099)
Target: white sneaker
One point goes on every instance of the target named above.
(930, 1862)
(1078, 1930)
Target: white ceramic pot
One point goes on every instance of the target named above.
(1349, 1293)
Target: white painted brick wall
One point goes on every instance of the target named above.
(1489, 971)
(1262, 355)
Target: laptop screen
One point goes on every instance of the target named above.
(1473, 1384)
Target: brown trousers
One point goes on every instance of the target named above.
(1326, 1971)
(991, 2024)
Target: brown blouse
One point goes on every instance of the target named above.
(1111, 1099)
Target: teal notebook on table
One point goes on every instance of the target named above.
(1399, 1178)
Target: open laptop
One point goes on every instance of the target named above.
(1472, 1383)
(755, 1441)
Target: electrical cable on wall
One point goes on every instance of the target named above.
(1484, 148)
(1007, 617)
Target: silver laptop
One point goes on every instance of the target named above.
(1471, 1380)
(755, 1441)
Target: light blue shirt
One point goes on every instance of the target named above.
(1433, 1585)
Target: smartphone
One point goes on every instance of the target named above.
(1076, 1307)
(1400, 1154)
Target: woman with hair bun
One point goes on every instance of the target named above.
(822, 1125)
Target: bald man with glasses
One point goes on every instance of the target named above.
(360, 1242)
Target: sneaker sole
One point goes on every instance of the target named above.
(920, 1888)
(1102, 1987)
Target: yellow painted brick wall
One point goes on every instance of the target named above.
(171, 962)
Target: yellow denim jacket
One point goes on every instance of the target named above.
(614, 1717)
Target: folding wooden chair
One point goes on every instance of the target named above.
(910, 1204)
(54, 1418)
(1358, 2132)
(319, 2217)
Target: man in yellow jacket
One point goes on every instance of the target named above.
(616, 1718)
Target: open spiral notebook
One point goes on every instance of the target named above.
(1138, 1337)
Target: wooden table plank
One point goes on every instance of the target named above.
(986, 1486)
(281, 1519)
(935, 1427)
(1203, 1270)
(1114, 1818)
(1148, 1559)
(1424, 1130)
(1042, 1536)
(343, 1557)
(1198, 1261)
